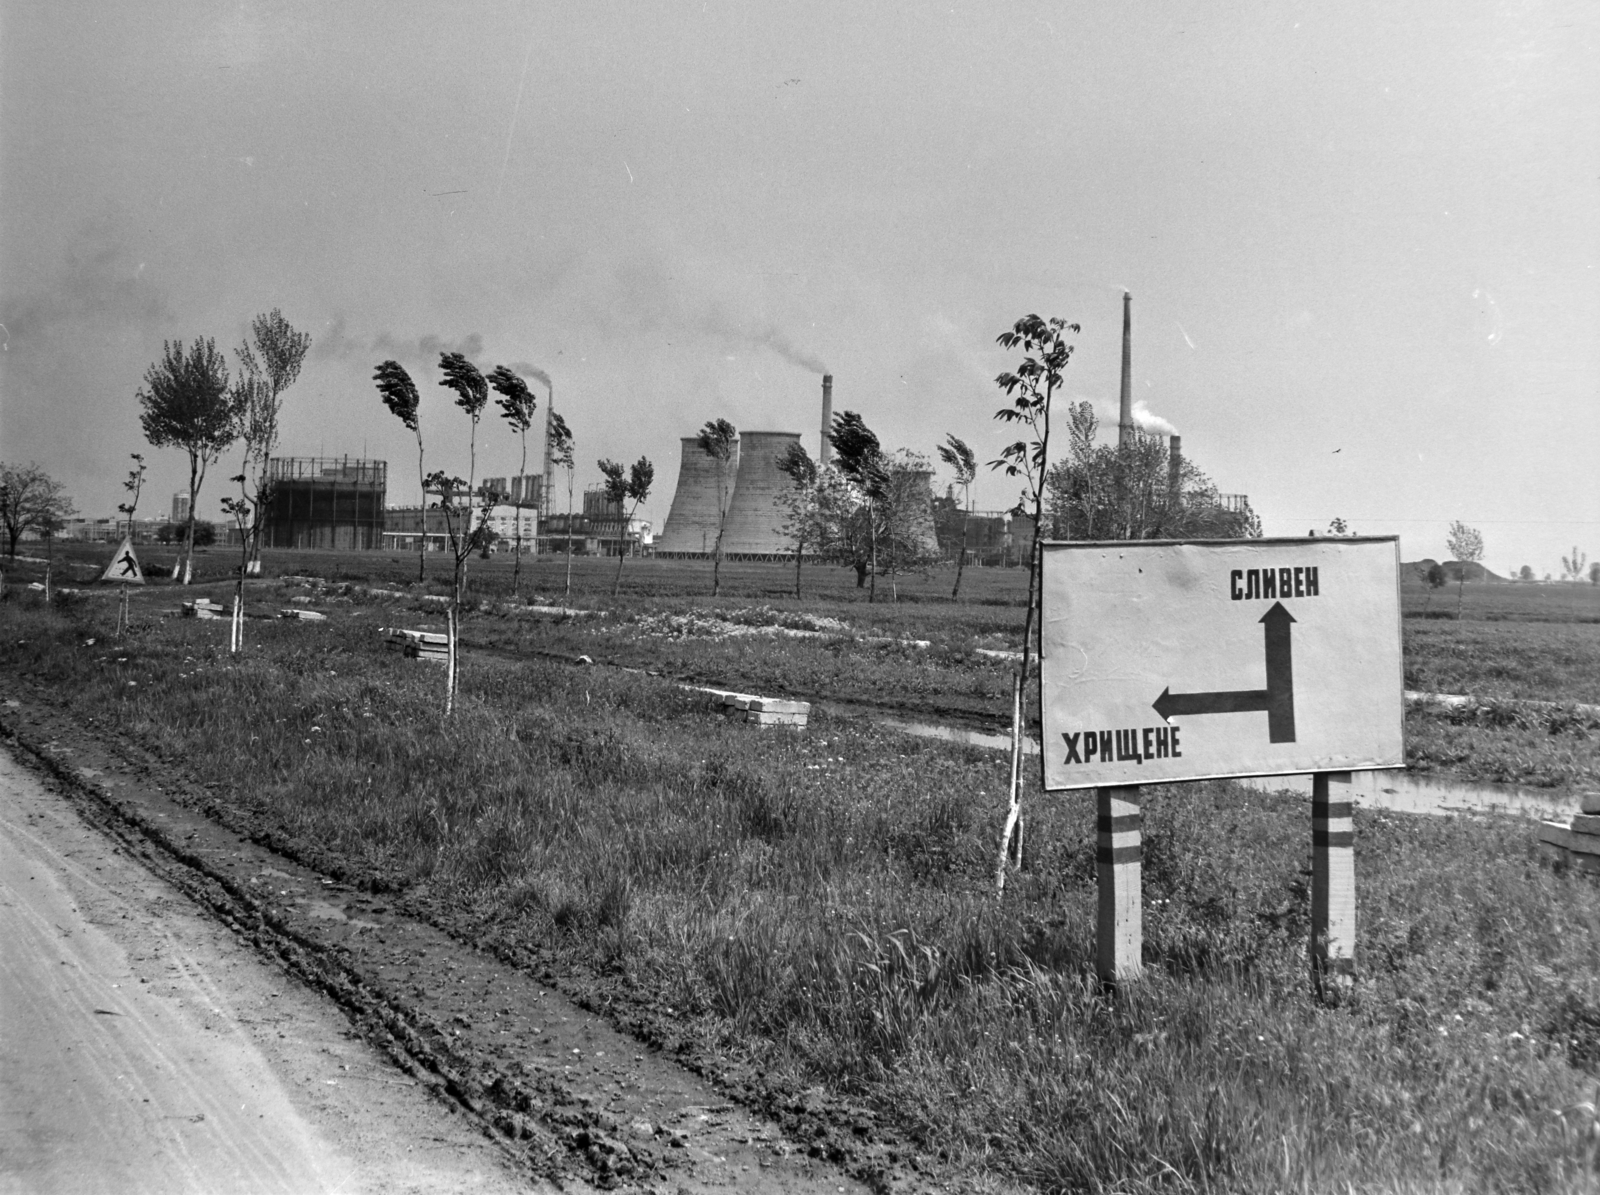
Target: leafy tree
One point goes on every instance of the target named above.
(634, 486)
(1126, 491)
(561, 454)
(1031, 387)
(400, 395)
(860, 460)
(1339, 527)
(30, 500)
(187, 404)
(269, 363)
(1572, 567)
(1525, 573)
(955, 453)
(1594, 573)
(717, 440)
(905, 539)
(1434, 577)
(1466, 545)
(799, 502)
(517, 404)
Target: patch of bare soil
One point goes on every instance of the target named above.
(576, 1079)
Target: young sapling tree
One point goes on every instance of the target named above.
(134, 485)
(955, 453)
(859, 458)
(1466, 545)
(561, 454)
(269, 363)
(1031, 387)
(622, 489)
(799, 502)
(517, 404)
(717, 439)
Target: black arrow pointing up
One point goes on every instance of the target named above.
(1277, 699)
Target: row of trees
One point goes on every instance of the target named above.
(465, 506)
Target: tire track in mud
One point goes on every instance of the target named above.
(565, 1094)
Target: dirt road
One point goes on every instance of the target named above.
(332, 1038)
(143, 1049)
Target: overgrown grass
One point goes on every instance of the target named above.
(816, 904)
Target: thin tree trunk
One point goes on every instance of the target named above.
(567, 593)
(422, 511)
(450, 662)
(799, 551)
(1014, 807)
(872, 539)
(516, 568)
(961, 561)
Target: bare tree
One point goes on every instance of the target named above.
(717, 440)
(1032, 387)
(1466, 545)
(955, 453)
(620, 490)
(517, 404)
(400, 395)
(269, 363)
(188, 404)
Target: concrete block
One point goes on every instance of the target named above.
(303, 615)
(1586, 823)
(1560, 834)
(1589, 802)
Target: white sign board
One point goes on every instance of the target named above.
(1184, 661)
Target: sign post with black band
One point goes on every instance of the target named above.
(1163, 662)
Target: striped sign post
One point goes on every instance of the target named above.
(1167, 662)
(1119, 931)
(1333, 882)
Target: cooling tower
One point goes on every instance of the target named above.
(691, 527)
(755, 516)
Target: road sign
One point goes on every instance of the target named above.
(124, 567)
(1184, 661)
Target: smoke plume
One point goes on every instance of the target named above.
(529, 371)
(1148, 421)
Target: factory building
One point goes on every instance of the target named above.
(601, 530)
(325, 502)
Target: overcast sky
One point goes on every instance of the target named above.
(1361, 238)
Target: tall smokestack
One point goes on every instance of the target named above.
(1175, 469)
(1125, 413)
(826, 453)
(549, 455)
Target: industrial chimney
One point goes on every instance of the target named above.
(825, 453)
(1175, 470)
(1125, 412)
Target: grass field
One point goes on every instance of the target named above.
(815, 905)
(1530, 652)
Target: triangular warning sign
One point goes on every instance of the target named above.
(124, 567)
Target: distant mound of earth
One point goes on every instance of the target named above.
(1453, 569)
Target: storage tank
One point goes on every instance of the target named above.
(691, 527)
(754, 517)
